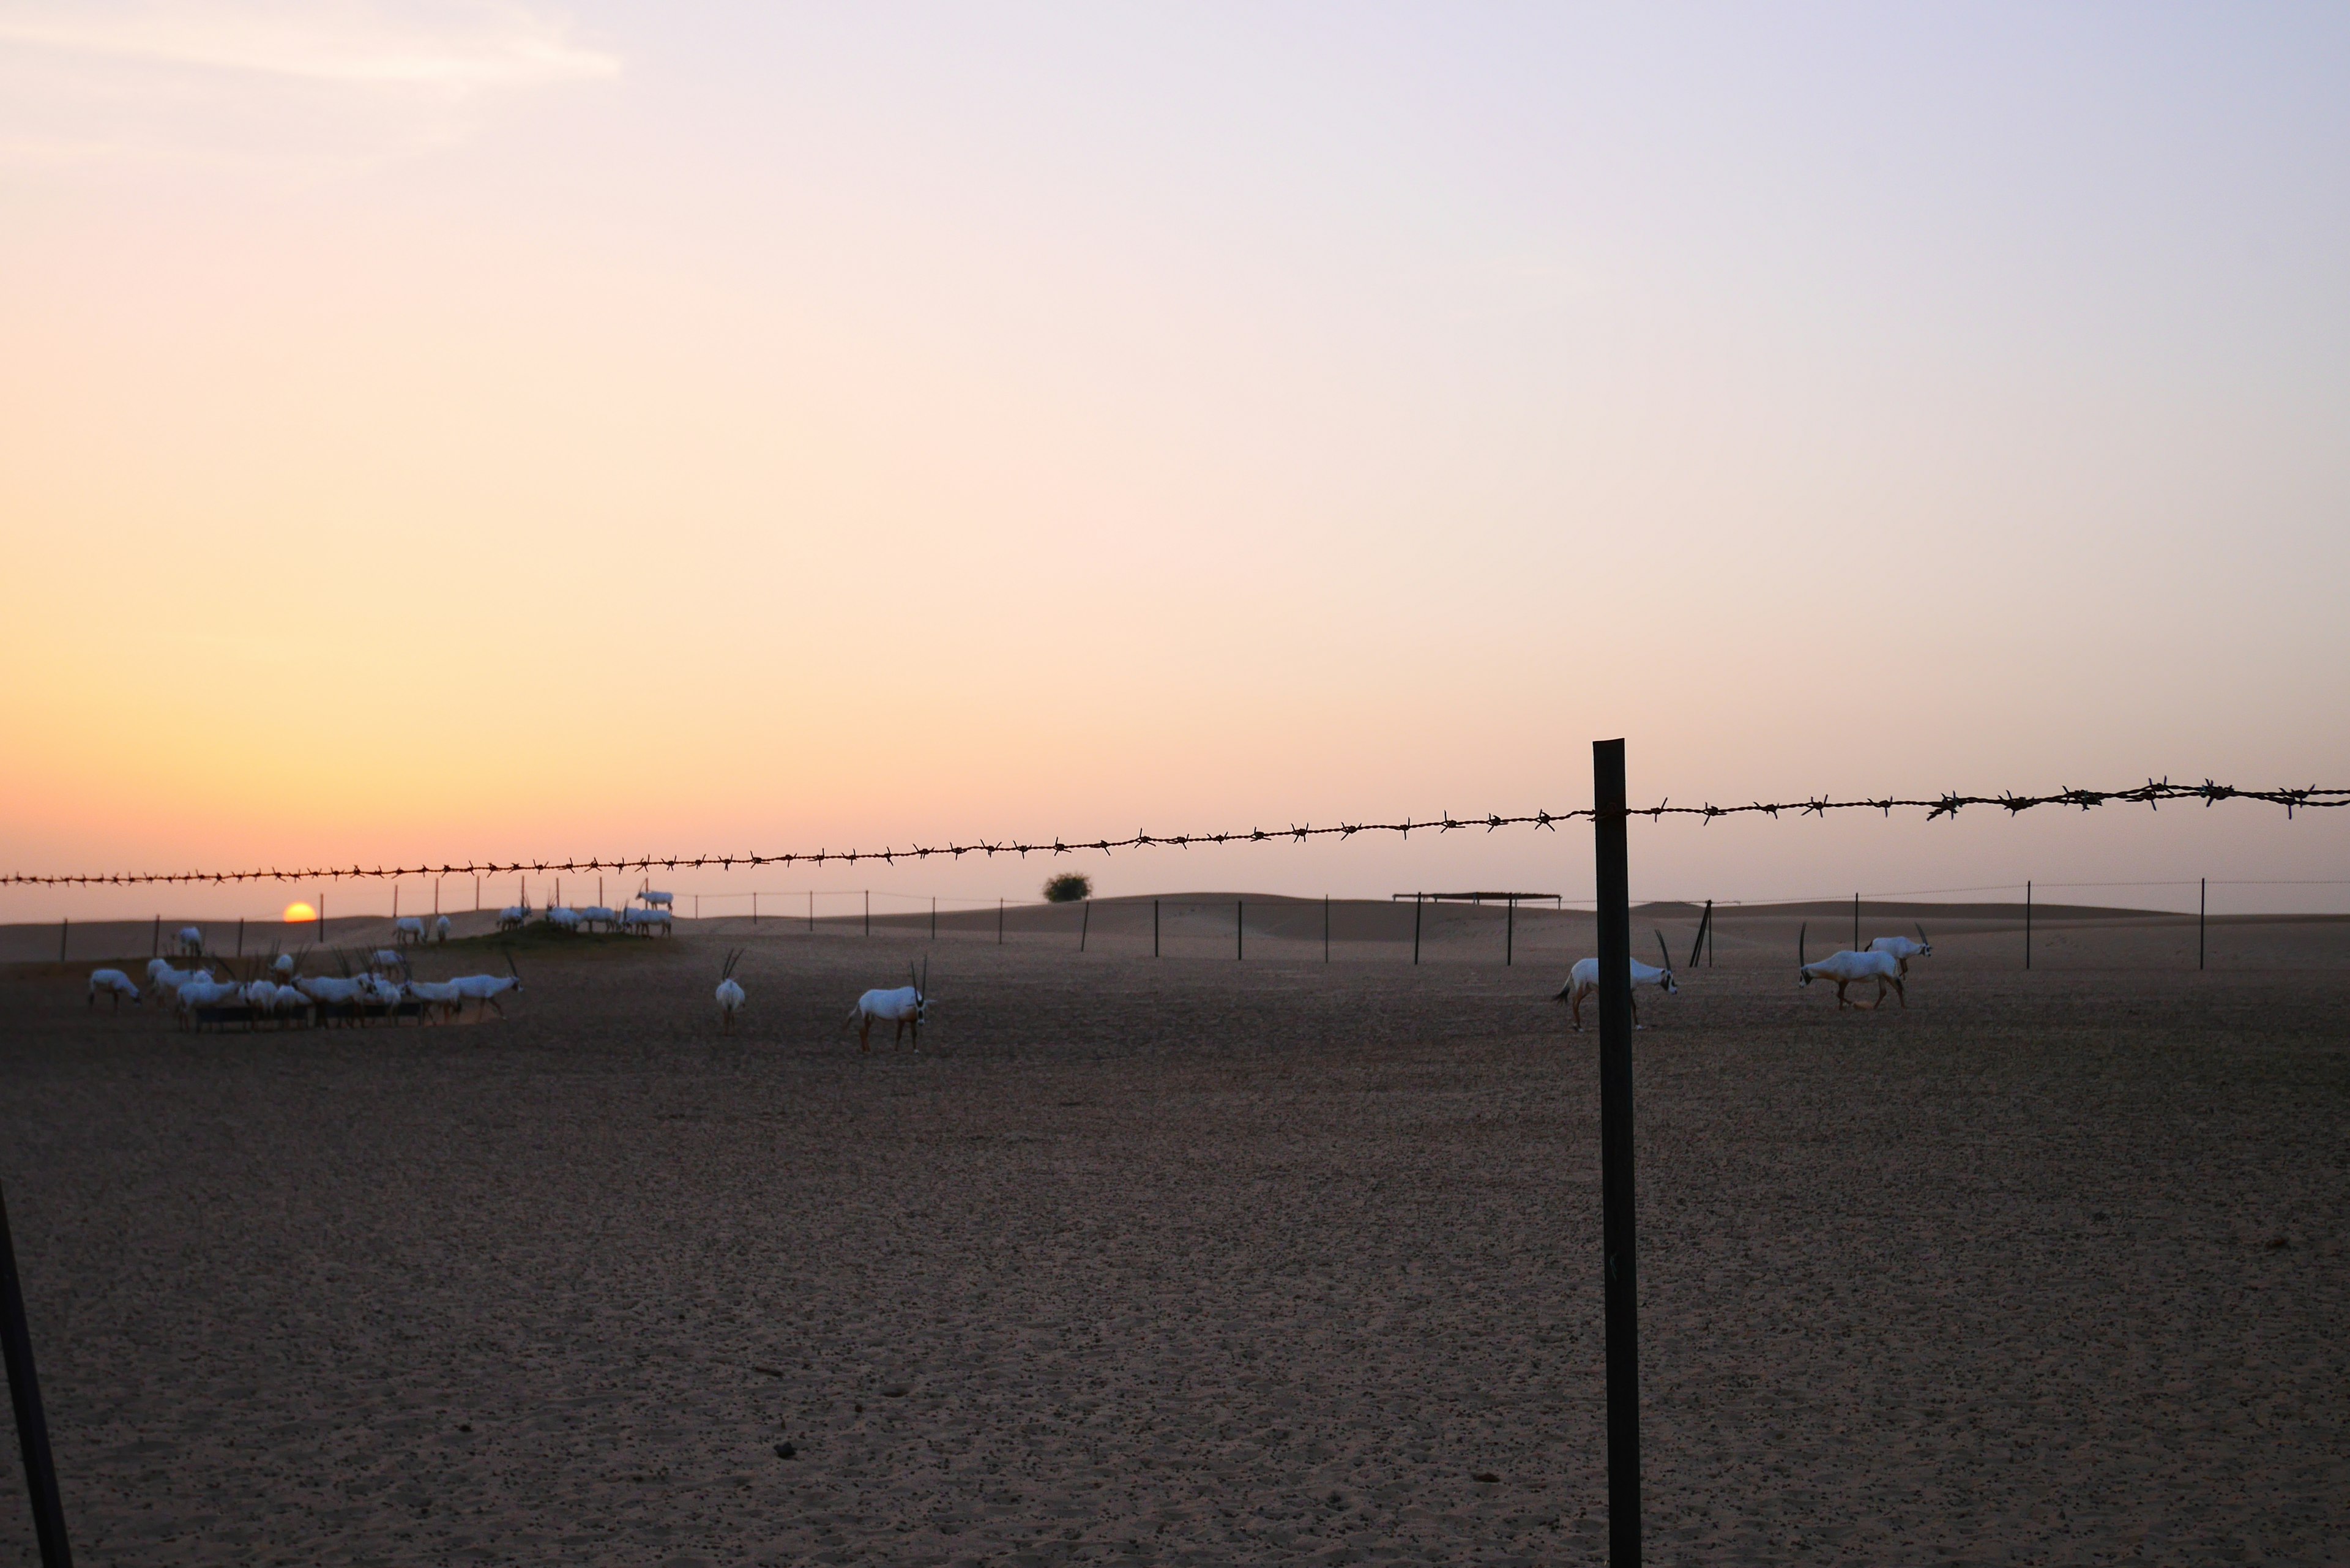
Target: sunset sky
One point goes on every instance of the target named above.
(467, 431)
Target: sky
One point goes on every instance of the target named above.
(477, 431)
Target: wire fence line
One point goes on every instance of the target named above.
(2153, 794)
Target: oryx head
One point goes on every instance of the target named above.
(921, 989)
(1665, 981)
(1925, 943)
(510, 967)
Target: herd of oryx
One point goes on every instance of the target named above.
(274, 989)
(1886, 960)
(384, 986)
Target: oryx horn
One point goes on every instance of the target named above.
(925, 987)
(508, 953)
(1663, 951)
(1800, 935)
(1922, 933)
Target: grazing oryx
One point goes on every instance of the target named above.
(562, 918)
(651, 922)
(655, 899)
(907, 1004)
(116, 984)
(199, 993)
(1845, 968)
(408, 929)
(283, 967)
(1583, 981)
(513, 916)
(486, 989)
(167, 981)
(191, 942)
(595, 914)
(730, 994)
(441, 929)
(1904, 949)
(387, 960)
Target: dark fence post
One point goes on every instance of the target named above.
(2202, 908)
(868, 911)
(754, 906)
(1855, 922)
(240, 935)
(1622, 1297)
(64, 927)
(1085, 924)
(1239, 930)
(811, 911)
(2027, 923)
(1509, 936)
(1154, 927)
(155, 942)
(1325, 928)
(25, 1393)
(1415, 928)
(999, 922)
(935, 917)
(1708, 933)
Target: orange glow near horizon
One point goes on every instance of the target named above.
(298, 912)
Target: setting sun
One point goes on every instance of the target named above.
(298, 911)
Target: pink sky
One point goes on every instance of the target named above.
(479, 431)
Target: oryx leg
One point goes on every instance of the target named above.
(865, 1033)
(1898, 989)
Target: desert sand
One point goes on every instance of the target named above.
(1201, 1260)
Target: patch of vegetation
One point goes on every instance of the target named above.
(1069, 887)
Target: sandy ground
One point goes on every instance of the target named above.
(1271, 1263)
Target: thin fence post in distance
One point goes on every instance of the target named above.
(2202, 908)
(1325, 928)
(155, 942)
(2027, 922)
(1239, 930)
(999, 922)
(1509, 936)
(64, 927)
(754, 906)
(25, 1393)
(1415, 928)
(1154, 927)
(240, 931)
(868, 911)
(1618, 1253)
(811, 911)
(935, 917)
(1855, 922)
(1085, 923)
(322, 915)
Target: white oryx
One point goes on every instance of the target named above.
(387, 960)
(194, 994)
(650, 923)
(513, 916)
(192, 941)
(486, 989)
(655, 899)
(730, 993)
(409, 930)
(1583, 981)
(282, 966)
(562, 918)
(1847, 968)
(597, 915)
(167, 981)
(441, 929)
(116, 984)
(906, 1005)
(1905, 949)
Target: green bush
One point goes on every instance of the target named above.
(1069, 887)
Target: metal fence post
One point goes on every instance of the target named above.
(1855, 922)
(1239, 930)
(754, 906)
(2027, 922)
(1415, 928)
(1509, 936)
(1325, 928)
(1622, 1296)
(155, 942)
(64, 927)
(2202, 908)
(868, 911)
(935, 917)
(999, 922)
(25, 1393)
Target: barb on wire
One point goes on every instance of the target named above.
(2151, 793)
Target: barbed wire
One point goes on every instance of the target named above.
(2151, 793)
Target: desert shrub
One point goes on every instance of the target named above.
(1069, 887)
